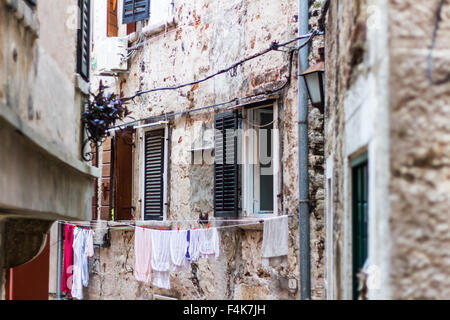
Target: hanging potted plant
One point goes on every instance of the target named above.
(102, 112)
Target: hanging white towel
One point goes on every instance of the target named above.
(178, 247)
(275, 237)
(209, 243)
(142, 254)
(90, 244)
(193, 251)
(79, 263)
(161, 258)
(85, 260)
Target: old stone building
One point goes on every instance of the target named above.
(42, 89)
(177, 42)
(387, 151)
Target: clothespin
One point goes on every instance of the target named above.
(160, 228)
(209, 225)
(195, 228)
(178, 228)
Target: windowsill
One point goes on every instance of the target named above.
(81, 84)
(253, 217)
(25, 15)
(165, 224)
(156, 28)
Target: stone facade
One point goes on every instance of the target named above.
(206, 37)
(43, 177)
(380, 100)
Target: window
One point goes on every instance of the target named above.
(135, 10)
(113, 29)
(83, 40)
(260, 161)
(359, 216)
(155, 147)
(112, 20)
(31, 2)
(246, 162)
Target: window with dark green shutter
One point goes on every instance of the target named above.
(360, 184)
(83, 45)
(225, 165)
(31, 2)
(154, 175)
(135, 10)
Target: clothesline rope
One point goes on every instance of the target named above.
(123, 224)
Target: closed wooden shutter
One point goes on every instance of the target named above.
(154, 175)
(83, 46)
(123, 173)
(225, 165)
(106, 182)
(135, 10)
(112, 19)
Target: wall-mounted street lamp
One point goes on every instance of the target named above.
(315, 83)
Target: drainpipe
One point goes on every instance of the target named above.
(303, 150)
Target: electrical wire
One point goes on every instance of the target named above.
(235, 100)
(273, 46)
(433, 45)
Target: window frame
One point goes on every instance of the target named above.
(360, 162)
(142, 134)
(247, 173)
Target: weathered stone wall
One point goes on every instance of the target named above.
(357, 121)
(39, 64)
(407, 142)
(209, 36)
(43, 177)
(420, 165)
(337, 60)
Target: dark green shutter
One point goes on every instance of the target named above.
(83, 45)
(135, 10)
(31, 2)
(154, 175)
(360, 183)
(225, 165)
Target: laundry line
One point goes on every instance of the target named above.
(125, 224)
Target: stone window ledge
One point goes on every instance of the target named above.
(25, 15)
(157, 28)
(81, 84)
(166, 225)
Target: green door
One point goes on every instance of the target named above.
(359, 215)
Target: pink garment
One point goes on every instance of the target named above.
(142, 254)
(66, 279)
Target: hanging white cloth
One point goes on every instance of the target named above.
(161, 258)
(80, 275)
(193, 251)
(90, 244)
(275, 237)
(209, 243)
(178, 247)
(142, 254)
(85, 260)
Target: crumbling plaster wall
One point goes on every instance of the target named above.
(208, 37)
